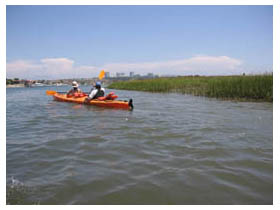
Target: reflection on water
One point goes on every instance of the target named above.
(171, 149)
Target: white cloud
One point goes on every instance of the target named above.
(21, 68)
(57, 63)
(87, 71)
(203, 65)
(49, 68)
(54, 68)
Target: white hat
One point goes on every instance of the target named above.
(75, 84)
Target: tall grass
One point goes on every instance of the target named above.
(252, 87)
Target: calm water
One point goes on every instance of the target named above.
(171, 149)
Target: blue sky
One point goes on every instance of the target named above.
(78, 41)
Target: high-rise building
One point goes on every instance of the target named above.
(107, 74)
(120, 74)
(131, 74)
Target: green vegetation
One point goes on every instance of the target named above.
(243, 88)
(12, 81)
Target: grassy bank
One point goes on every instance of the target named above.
(244, 88)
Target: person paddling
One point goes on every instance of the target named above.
(75, 89)
(96, 91)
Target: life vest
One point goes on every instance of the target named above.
(79, 95)
(75, 93)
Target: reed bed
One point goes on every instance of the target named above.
(242, 88)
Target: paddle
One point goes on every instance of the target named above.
(50, 92)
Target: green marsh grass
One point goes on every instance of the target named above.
(243, 88)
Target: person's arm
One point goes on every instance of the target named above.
(70, 92)
(88, 98)
(92, 94)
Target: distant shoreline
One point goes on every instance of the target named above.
(15, 86)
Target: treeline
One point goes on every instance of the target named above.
(13, 81)
(243, 88)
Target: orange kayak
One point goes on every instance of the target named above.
(95, 102)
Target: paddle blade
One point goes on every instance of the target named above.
(101, 75)
(50, 92)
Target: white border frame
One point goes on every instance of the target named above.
(276, 85)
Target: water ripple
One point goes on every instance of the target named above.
(172, 149)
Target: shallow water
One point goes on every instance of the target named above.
(171, 149)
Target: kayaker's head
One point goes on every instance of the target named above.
(75, 85)
(98, 85)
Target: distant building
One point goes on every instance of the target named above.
(131, 74)
(107, 74)
(28, 83)
(150, 75)
(118, 74)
